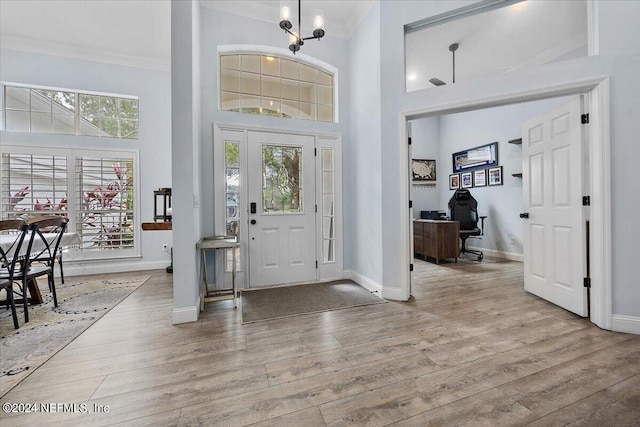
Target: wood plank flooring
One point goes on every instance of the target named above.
(470, 348)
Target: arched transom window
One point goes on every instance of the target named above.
(275, 86)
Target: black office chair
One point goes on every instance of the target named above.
(464, 209)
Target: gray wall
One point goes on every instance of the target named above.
(619, 57)
(152, 87)
(185, 134)
(362, 171)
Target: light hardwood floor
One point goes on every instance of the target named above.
(471, 348)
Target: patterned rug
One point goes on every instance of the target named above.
(50, 329)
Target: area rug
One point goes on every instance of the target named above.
(49, 330)
(285, 301)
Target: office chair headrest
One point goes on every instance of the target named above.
(462, 194)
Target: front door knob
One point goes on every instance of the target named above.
(253, 222)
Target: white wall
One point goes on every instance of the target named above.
(362, 170)
(153, 89)
(619, 57)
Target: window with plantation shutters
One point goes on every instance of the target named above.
(104, 202)
(95, 190)
(33, 184)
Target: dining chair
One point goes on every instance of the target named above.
(59, 252)
(43, 250)
(12, 232)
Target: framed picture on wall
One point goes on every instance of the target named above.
(480, 178)
(454, 181)
(423, 171)
(466, 180)
(495, 175)
(476, 158)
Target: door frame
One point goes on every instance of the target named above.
(598, 106)
(326, 271)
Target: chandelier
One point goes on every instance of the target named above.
(295, 39)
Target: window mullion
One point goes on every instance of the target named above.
(72, 195)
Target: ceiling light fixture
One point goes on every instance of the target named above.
(436, 81)
(295, 39)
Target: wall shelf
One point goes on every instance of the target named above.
(517, 141)
(517, 175)
(165, 225)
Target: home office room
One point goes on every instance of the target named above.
(476, 154)
(495, 186)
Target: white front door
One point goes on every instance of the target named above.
(554, 232)
(282, 229)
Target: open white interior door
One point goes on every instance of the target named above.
(554, 231)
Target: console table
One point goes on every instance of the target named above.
(436, 239)
(212, 243)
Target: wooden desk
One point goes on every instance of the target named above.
(436, 239)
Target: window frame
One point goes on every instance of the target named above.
(76, 112)
(281, 53)
(72, 211)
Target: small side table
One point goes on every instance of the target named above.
(212, 243)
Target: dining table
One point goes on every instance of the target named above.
(69, 240)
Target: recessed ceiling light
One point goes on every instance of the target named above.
(269, 58)
(519, 6)
(412, 77)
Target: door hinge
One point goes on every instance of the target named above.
(316, 263)
(410, 204)
(587, 282)
(584, 119)
(409, 139)
(316, 208)
(586, 201)
(410, 267)
(315, 151)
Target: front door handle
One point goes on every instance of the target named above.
(253, 222)
(524, 215)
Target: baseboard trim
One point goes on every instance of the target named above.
(363, 281)
(77, 269)
(628, 324)
(499, 254)
(186, 314)
(394, 294)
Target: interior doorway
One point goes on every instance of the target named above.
(596, 144)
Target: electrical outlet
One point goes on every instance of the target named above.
(512, 240)
(165, 247)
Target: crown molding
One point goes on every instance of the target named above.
(45, 47)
